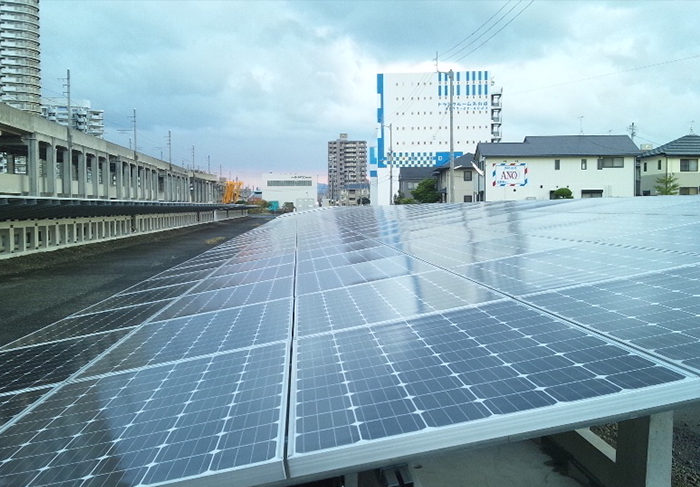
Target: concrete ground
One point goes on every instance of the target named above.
(520, 464)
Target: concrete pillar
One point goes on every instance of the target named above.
(67, 175)
(82, 174)
(645, 451)
(119, 167)
(642, 459)
(133, 170)
(95, 173)
(33, 164)
(103, 165)
(51, 171)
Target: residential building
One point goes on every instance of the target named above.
(20, 71)
(410, 178)
(354, 194)
(347, 164)
(678, 158)
(466, 179)
(83, 117)
(281, 188)
(591, 166)
(414, 121)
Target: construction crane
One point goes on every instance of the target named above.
(232, 191)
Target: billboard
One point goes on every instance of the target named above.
(509, 174)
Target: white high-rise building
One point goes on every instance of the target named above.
(20, 71)
(84, 118)
(414, 122)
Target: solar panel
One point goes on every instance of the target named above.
(332, 340)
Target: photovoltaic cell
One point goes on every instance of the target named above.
(452, 368)
(389, 332)
(52, 362)
(203, 334)
(192, 418)
(245, 294)
(88, 324)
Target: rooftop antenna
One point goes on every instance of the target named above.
(581, 122)
(691, 127)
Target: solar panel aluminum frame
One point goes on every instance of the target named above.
(493, 430)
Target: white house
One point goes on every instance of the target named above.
(678, 158)
(591, 166)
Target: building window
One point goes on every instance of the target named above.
(591, 193)
(557, 164)
(689, 165)
(467, 175)
(690, 190)
(659, 165)
(611, 162)
(467, 198)
(584, 164)
(645, 167)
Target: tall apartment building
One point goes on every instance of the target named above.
(84, 118)
(20, 72)
(347, 164)
(414, 122)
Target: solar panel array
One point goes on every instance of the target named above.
(334, 339)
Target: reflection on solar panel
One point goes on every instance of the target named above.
(330, 340)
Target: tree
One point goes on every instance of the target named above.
(667, 184)
(288, 207)
(563, 193)
(426, 191)
(400, 199)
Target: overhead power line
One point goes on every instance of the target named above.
(589, 78)
(473, 33)
(497, 32)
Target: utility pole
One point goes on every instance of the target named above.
(136, 147)
(68, 165)
(193, 157)
(170, 150)
(451, 183)
(632, 130)
(391, 166)
(208, 164)
(452, 138)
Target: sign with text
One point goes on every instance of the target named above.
(509, 174)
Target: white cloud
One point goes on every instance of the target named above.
(263, 85)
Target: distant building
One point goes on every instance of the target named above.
(414, 121)
(296, 189)
(679, 157)
(466, 179)
(354, 194)
(84, 118)
(20, 71)
(347, 164)
(410, 177)
(591, 166)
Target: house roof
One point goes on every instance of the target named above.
(688, 145)
(461, 161)
(562, 145)
(415, 173)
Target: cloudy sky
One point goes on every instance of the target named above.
(260, 86)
